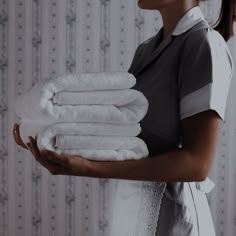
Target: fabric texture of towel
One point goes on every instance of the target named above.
(119, 106)
(49, 129)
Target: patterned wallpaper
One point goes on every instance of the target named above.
(40, 38)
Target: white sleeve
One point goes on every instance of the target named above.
(205, 74)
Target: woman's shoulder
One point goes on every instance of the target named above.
(202, 34)
(206, 41)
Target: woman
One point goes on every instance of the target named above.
(185, 72)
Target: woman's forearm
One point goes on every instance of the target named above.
(171, 166)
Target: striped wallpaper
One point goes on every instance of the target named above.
(40, 38)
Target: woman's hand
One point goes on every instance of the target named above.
(56, 164)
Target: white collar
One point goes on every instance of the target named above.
(188, 20)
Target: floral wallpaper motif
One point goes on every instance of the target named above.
(47, 38)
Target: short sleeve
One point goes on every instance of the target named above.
(205, 73)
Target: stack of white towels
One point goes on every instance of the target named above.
(96, 116)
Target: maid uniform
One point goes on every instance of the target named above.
(187, 73)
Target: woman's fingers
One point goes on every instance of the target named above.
(51, 156)
(34, 146)
(15, 134)
(32, 151)
(20, 139)
(55, 163)
(42, 160)
(17, 137)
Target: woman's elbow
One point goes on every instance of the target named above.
(201, 171)
(202, 175)
(197, 169)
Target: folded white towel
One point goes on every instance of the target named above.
(48, 130)
(119, 106)
(94, 141)
(102, 148)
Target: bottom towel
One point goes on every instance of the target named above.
(94, 141)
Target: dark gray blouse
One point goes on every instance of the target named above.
(180, 76)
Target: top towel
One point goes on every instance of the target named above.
(90, 97)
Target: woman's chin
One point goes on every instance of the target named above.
(143, 5)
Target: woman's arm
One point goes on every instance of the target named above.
(191, 163)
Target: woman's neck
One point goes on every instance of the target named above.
(172, 13)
